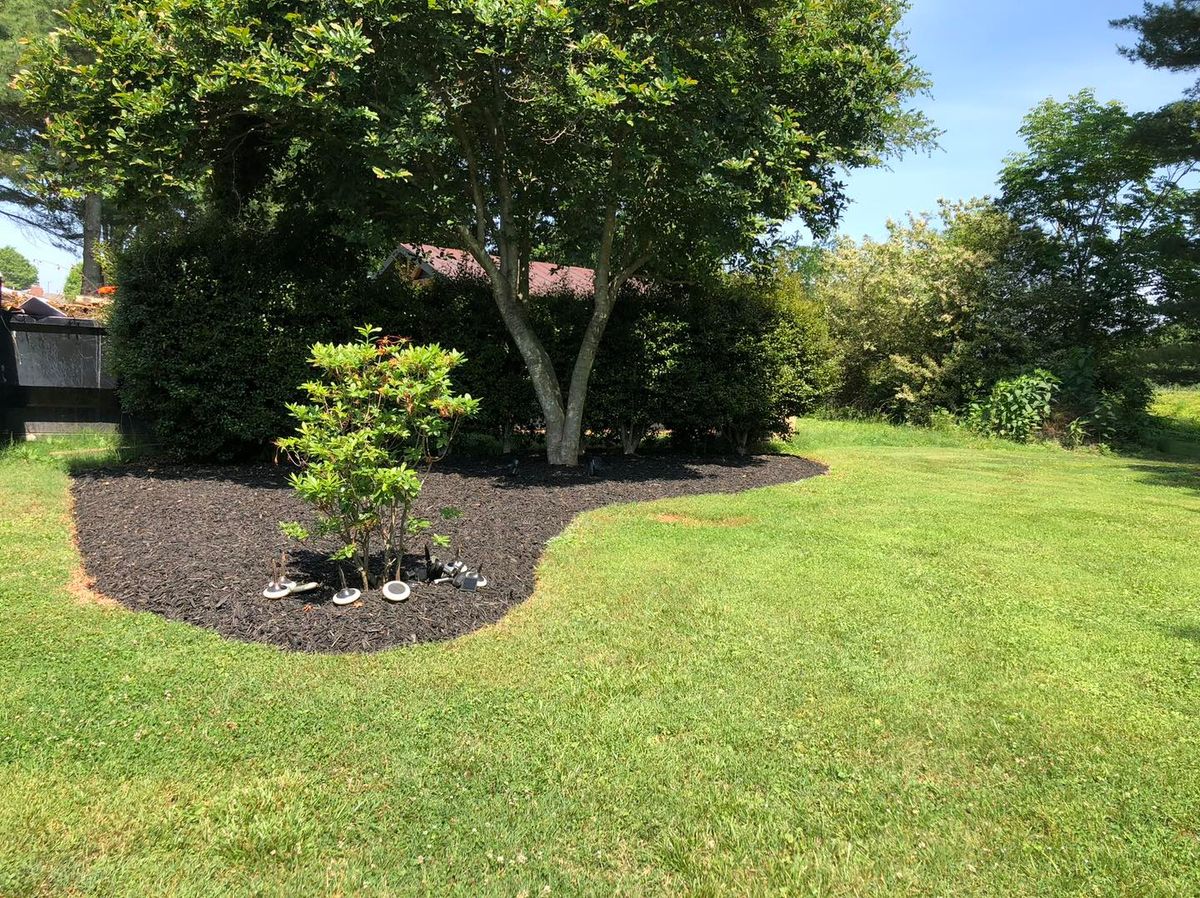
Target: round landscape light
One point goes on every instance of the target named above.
(396, 591)
(347, 596)
(276, 591)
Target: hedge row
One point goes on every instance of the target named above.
(212, 325)
(211, 329)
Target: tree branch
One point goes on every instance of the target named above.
(481, 215)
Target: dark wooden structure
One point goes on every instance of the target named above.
(54, 377)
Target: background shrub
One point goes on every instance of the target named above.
(913, 318)
(756, 354)
(632, 388)
(1173, 356)
(213, 321)
(74, 283)
(1015, 409)
(721, 364)
(212, 324)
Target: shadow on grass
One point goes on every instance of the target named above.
(1189, 632)
(1169, 438)
(1179, 476)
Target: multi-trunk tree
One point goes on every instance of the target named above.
(631, 136)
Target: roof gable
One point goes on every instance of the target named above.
(545, 278)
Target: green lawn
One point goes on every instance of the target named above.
(944, 669)
(1175, 418)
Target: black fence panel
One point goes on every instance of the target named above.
(54, 377)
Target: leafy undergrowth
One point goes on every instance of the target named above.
(945, 668)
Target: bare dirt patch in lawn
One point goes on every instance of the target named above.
(82, 589)
(684, 520)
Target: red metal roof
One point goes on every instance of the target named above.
(545, 278)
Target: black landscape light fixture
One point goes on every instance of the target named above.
(433, 567)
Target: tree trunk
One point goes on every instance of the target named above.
(365, 561)
(632, 434)
(740, 438)
(509, 278)
(562, 445)
(93, 277)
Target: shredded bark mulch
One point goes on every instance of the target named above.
(194, 543)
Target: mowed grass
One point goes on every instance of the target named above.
(1175, 422)
(946, 668)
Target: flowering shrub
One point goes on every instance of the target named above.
(380, 412)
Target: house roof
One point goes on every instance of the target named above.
(545, 278)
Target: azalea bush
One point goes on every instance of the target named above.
(381, 412)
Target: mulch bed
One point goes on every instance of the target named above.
(193, 543)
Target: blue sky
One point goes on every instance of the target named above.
(991, 61)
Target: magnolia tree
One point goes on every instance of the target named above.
(626, 136)
(379, 415)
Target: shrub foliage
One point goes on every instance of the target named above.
(380, 410)
(212, 325)
(1016, 409)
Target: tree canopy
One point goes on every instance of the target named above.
(644, 133)
(1111, 228)
(1168, 36)
(15, 270)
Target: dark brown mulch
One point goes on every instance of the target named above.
(192, 543)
